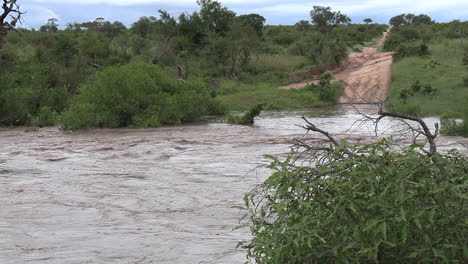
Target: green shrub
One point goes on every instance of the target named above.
(378, 206)
(412, 49)
(15, 105)
(137, 94)
(247, 118)
(45, 117)
(428, 90)
(393, 41)
(78, 116)
(452, 126)
(327, 91)
(416, 87)
(409, 33)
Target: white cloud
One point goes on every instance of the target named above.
(275, 11)
(37, 15)
(372, 6)
(140, 2)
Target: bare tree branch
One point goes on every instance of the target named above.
(426, 132)
(421, 129)
(312, 127)
(9, 18)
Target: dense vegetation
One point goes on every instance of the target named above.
(429, 75)
(366, 204)
(138, 95)
(236, 59)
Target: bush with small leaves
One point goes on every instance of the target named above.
(247, 118)
(373, 206)
(137, 95)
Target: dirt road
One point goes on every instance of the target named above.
(367, 76)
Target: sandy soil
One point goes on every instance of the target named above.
(367, 76)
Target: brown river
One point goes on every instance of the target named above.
(163, 195)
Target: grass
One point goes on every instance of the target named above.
(280, 62)
(238, 96)
(443, 70)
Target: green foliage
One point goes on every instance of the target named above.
(247, 118)
(45, 117)
(240, 96)
(255, 21)
(411, 49)
(377, 206)
(326, 90)
(465, 56)
(417, 88)
(326, 19)
(453, 126)
(407, 19)
(367, 20)
(137, 94)
(441, 80)
(215, 17)
(52, 67)
(78, 116)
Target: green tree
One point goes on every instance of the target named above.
(51, 25)
(144, 26)
(256, 21)
(397, 21)
(215, 17)
(192, 28)
(326, 19)
(303, 25)
(94, 45)
(243, 42)
(368, 20)
(422, 19)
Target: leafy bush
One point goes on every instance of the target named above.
(454, 127)
(27, 90)
(409, 33)
(411, 49)
(247, 118)
(377, 206)
(393, 41)
(45, 117)
(417, 87)
(326, 90)
(137, 94)
(79, 116)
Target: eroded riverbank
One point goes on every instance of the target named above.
(160, 195)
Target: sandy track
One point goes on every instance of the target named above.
(367, 75)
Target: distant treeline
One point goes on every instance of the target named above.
(42, 71)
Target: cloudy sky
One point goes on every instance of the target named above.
(275, 11)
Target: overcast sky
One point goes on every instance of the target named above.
(277, 12)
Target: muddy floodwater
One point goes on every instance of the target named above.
(161, 195)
